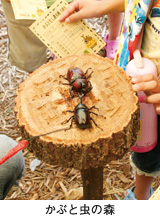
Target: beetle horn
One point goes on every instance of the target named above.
(80, 96)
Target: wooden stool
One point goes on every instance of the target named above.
(41, 105)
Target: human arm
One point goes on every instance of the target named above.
(91, 8)
(151, 86)
(148, 83)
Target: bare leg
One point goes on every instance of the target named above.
(115, 22)
(143, 187)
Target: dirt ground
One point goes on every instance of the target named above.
(52, 182)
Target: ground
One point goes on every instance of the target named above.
(52, 182)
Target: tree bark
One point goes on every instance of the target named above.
(41, 105)
(92, 183)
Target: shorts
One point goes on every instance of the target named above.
(148, 163)
(25, 50)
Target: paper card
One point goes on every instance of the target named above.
(65, 39)
(28, 9)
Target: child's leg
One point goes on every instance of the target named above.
(147, 167)
(143, 187)
(115, 22)
(26, 51)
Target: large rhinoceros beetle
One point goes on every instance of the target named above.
(81, 116)
(78, 80)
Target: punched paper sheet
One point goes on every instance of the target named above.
(65, 39)
(28, 9)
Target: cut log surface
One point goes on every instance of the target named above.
(42, 100)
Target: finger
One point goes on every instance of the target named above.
(76, 17)
(157, 108)
(71, 8)
(144, 78)
(147, 86)
(153, 99)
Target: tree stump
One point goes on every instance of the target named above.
(42, 101)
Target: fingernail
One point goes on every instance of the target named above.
(158, 110)
(136, 87)
(67, 20)
(134, 80)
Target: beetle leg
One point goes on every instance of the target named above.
(96, 124)
(63, 77)
(94, 108)
(87, 72)
(66, 84)
(72, 117)
(98, 115)
(94, 113)
(89, 87)
(68, 111)
(89, 75)
(71, 92)
(71, 121)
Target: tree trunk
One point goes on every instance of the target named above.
(92, 183)
(41, 105)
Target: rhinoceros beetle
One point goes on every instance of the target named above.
(81, 116)
(78, 80)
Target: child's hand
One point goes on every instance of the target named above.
(84, 9)
(151, 86)
(91, 8)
